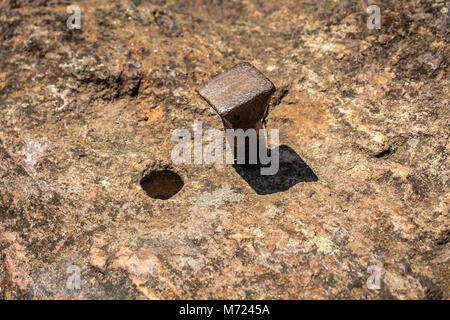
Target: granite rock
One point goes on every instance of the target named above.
(86, 113)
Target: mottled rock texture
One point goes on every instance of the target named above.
(364, 124)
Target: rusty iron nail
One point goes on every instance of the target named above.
(240, 96)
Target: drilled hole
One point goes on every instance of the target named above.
(162, 184)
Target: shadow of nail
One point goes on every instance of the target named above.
(292, 171)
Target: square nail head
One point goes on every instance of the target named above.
(236, 89)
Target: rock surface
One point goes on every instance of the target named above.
(364, 124)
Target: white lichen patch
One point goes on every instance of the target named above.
(195, 263)
(33, 151)
(324, 245)
(218, 198)
(61, 95)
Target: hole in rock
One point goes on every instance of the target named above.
(161, 184)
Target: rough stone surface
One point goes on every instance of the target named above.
(363, 117)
